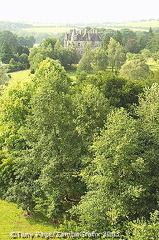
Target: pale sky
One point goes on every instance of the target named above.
(73, 11)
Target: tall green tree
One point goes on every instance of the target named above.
(35, 58)
(66, 56)
(126, 35)
(53, 145)
(9, 38)
(122, 180)
(90, 112)
(4, 78)
(118, 37)
(116, 55)
(112, 188)
(100, 59)
(85, 64)
(152, 44)
(105, 41)
(132, 46)
(14, 111)
(6, 53)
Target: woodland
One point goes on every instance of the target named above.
(83, 150)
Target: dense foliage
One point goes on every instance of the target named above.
(84, 149)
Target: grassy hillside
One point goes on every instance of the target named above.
(13, 220)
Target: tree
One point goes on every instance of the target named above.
(23, 59)
(4, 78)
(6, 53)
(126, 35)
(142, 39)
(120, 57)
(27, 41)
(146, 53)
(132, 46)
(53, 152)
(105, 41)
(51, 47)
(118, 37)
(100, 60)
(35, 58)
(119, 92)
(22, 49)
(9, 38)
(112, 188)
(14, 110)
(38, 54)
(116, 55)
(153, 42)
(122, 180)
(85, 64)
(135, 68)
(66, 56)
(148, 127)
(111, 53)
(12, 46)
(90, 112)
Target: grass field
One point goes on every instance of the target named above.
(59, 29)
(72, 75)
(25, 74)
(20, 75)
(13, 220)
(153, 65)
(49, 29)
(141, 24)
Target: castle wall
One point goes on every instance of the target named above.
(77, 39)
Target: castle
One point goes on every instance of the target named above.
(80, 38)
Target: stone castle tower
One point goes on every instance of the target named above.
(80, 39)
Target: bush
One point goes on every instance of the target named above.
(144, 230)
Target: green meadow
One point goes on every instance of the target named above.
(141, 24)
(13, 219)
(25, 75)
(21, 75)
(154, 65)
(59, 29)
(49, 29)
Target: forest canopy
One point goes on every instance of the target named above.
(84, 150)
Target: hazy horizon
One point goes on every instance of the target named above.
(60, 12)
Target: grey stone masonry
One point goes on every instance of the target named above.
(80, 38)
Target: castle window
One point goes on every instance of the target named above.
(78, 44)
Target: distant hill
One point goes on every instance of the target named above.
(13, 26)
(41, 31)
(142, 25)
(60, 28)
(134, 25)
